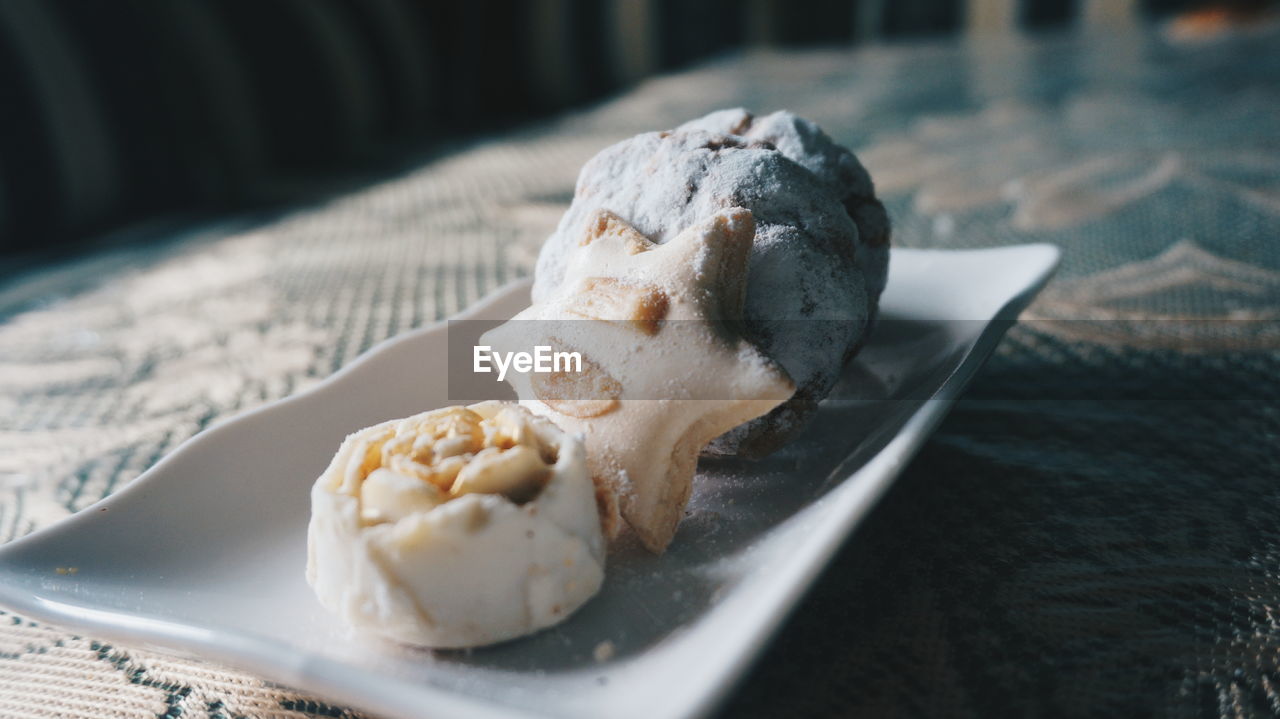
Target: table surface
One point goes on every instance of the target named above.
(1093, 530)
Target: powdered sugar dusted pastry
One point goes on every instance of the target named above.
(804, 142)
(455, 528)
(664, 366)
(812, 281)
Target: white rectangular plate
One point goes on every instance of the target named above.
(204, 553)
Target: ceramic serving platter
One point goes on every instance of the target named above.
(204, 553)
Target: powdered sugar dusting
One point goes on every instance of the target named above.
(813, 282)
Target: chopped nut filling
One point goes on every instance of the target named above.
(455, 451)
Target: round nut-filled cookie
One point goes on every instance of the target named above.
(811, 290)
(458, 527)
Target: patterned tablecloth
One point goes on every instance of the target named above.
(1094, 531)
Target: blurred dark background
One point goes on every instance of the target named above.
(115, 112)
